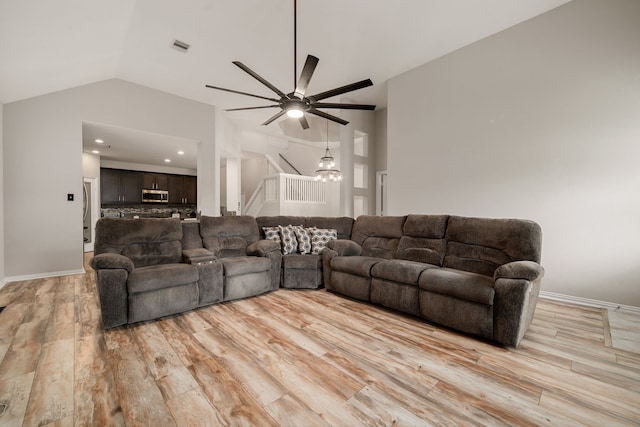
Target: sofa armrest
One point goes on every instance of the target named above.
(262, 247)
(514, 305)
(526, 270)
(111, 261)
(198, 256)
(344, 247)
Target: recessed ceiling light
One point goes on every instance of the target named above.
(167, 160)
(99, 141)
(181, 152)
(95, 152)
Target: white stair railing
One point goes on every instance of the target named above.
(255, 202)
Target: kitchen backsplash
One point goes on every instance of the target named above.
(146, 212)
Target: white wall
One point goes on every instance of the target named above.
(2, 275)
(541, 121)
(43, 162)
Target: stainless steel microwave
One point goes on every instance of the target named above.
(155, 196)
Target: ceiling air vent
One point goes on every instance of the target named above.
(181, 46)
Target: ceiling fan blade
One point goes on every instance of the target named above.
(252, 108)
(344, 106)
(305, 76)
(327, 116)
(260, 79)
(303, 122)
(277, 116)
(341, 90)
(242, 93)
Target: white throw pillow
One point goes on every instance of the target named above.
(289, 241)
(320, 237)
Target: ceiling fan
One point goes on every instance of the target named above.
(297, 103)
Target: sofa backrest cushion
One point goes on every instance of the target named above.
(146, 241)
(275, 221)
(342, 225)
(228, 236)
(378, 235)
(480, 245)
(423, 239)
(191, 235)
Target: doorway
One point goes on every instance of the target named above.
(90, 211)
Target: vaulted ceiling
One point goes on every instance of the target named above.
(46, 46)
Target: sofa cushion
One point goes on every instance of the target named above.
(161, 276)
(275, 221)
(298, 261)
(303, 236)
(272, 233)
(480, 245)
(420, 249)
(288, 239)
(397, 270)
(342, 225)
(225, 247)
(378, 235)
(320, 237)
(356, 265)
(228, 236)
(191, 235)
(460, 284)
(423, 239)
(236, 266)
(145, 241)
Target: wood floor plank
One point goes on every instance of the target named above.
(51, 396)
(14, 397)
(140, 398)
(192, 409)
(258, 383)
(227, 395)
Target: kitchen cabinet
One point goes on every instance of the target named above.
(155, 181)
(183, 190)
(120, 186)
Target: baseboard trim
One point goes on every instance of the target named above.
(587, 302)
(43, 275)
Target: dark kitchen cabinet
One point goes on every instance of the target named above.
(155, 181)
(119, 186)
(183, 190)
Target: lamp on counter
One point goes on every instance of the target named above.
(327, 166)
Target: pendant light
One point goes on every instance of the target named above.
(327, 166)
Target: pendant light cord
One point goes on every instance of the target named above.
(295, 41)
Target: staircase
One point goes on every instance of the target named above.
(290, 194)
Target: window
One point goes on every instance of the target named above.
(360, 177)
(360, 144)
(360, 206)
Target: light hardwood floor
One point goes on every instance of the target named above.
(301, 358)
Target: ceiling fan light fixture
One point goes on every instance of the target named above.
(295, 113)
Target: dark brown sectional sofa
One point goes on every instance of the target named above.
(476, 275)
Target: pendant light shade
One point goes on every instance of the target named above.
(327, 166)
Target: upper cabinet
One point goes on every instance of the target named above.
(183, 190)
(120, 186)
(155, 181)
(124, 187)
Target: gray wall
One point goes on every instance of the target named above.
(2, 275)
(43, 162)
(381, 140)
(540, 121)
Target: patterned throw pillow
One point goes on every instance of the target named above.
(272, 233)
(303, 235)
(289, 241)
(320, 237)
